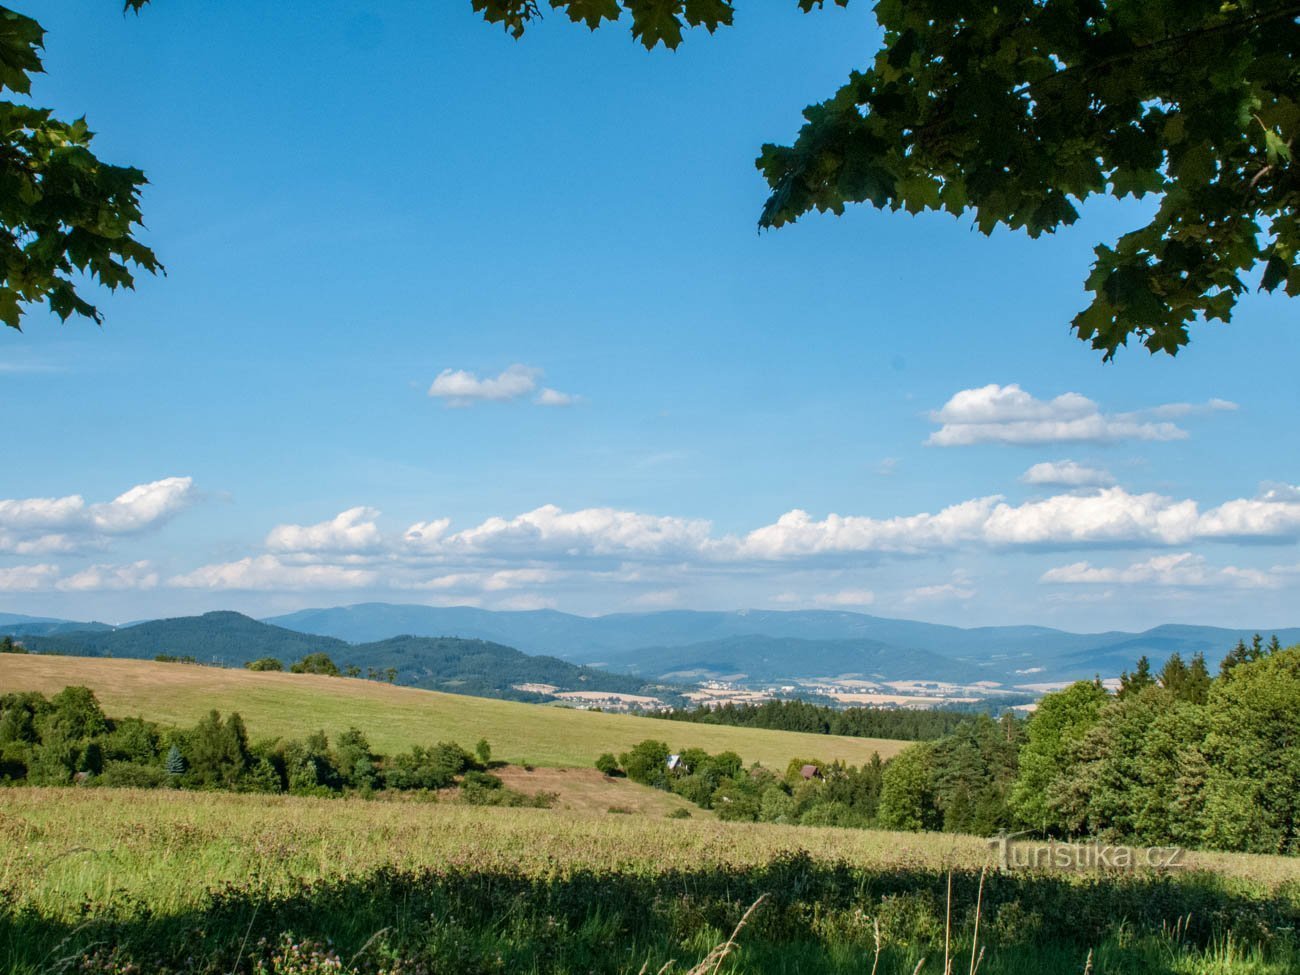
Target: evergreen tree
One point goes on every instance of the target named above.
(175, 763)
(1197, 688)
(1274, 645)
(1174, 676)
(1137, 681)
(1237, 655)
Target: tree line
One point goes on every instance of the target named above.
(69, 739)
(1174, 756)
(903, 724)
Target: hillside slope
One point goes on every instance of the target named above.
(395, 718)
(455, 664)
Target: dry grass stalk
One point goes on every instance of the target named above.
(979, 906)
(1087, 965)
(875, 931)
(713, 960)
(947, 931)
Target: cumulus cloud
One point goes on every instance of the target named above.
(1184, 569)
(553, 397)
(1067, 473)
(269, 573)
(459, 388)
(586, 532)
(28, 578)
(1010, 415)
(39, 525)
(136, 575)
(353, 530)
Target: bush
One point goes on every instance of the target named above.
(607, 765)
(647, 763)
(266, 663)
(128, 775)
(679, 813)
(316, 663)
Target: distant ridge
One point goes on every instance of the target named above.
(652, 643)
(455, 664)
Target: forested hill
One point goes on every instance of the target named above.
(439, 663)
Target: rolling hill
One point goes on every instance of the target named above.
(463, 666)
(768, 659)
(395, 718)
(653, 643)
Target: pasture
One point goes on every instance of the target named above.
(100, 880)
(395, 718)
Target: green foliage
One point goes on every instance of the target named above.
(217, 752)
(1252, 788)
(647, 763)
(607, 764)
(1056, 727)
(903, 724)
(973, 770)
(358, 767)
(1018, 112)
(7, 645)
(315, 663)
(66, 217)
(483, 750)
(175, 763)
(907, 795)
(265, 664)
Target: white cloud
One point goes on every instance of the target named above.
(39, 525)
(353, 530)
(28, 578)
(136, 575)
(1184, 569)
(553, 397)
(268, 572)
(583, 533)
(458, 387)
(845, 597)
(1067, 473)
(1010, 415)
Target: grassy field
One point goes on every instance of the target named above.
(395, 718)
(120, 881)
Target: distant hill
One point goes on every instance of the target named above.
(767, 659)
(17, 625)
(650, 643)
(464, 666)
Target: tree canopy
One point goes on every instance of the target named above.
(1017, 112)
(65, 214)
(1013, 113)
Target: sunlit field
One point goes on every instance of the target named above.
(210, 882)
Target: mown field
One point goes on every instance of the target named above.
(395, 718)
(99, 880)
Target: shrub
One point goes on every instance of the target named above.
(607, 764)
(266, 663)
(316, 663)
(129, 775)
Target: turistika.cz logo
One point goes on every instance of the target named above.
(1082, 856)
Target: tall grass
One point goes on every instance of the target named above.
(101, 881)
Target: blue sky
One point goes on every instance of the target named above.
(354, 204)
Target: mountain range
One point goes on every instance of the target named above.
(771, 645)
(465, 647)
(445, 663)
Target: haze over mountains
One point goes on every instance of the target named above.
(771, 644)
(684, 645)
